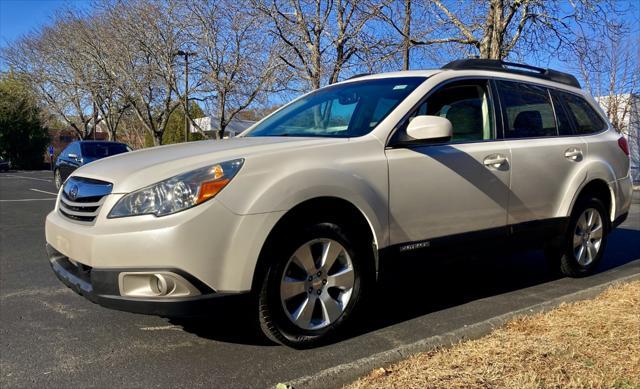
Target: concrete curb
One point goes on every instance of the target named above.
(343, 374)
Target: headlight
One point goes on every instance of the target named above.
(177, 193)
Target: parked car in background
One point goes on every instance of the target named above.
(299, 211)
(5, 165)
(80, 153)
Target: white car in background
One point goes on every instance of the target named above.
(300, 209)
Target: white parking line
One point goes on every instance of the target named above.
(8, 201)
(26, 178)
(43, 191)
(162, 328)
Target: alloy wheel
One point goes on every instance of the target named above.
(587, 237)
(317, 284)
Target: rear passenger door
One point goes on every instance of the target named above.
(546, 154)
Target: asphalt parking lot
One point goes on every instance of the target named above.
(51, 337)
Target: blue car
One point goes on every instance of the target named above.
(81, 153)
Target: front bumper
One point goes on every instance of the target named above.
(209, 242)
(101, 287)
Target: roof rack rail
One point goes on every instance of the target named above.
(510, 67)
(358, 76)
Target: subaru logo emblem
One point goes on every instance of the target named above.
(73, 193)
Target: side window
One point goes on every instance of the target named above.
(466, 105)
(562, 117)
(70, 149)
(65, 152)
(74, 148)
(528, 111)
(586, 119)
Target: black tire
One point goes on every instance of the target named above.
(565, 256)
(273, 319)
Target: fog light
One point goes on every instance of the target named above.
(161, 284)
(155, 284)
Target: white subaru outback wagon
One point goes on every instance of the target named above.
(299, 210)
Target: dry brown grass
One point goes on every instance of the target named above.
(587, 344)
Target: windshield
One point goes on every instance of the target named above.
(342, 111)
(102, 150)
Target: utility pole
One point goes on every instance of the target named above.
(186, 55)
(95, 119)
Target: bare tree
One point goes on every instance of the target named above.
(610, 67)
(236, 60)
(143, 39)
(52, 62)
(110, 103)
(319, 38)
(496, 29)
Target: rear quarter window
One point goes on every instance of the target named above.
(585, 117)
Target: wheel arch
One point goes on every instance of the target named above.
(600, 189)
(319, 206)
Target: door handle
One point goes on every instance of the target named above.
(495, 161)
(573, 154)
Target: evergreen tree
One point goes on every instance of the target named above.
(23, 139)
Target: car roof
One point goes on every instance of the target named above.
(469, 73)
(99, 142)
(403, 73)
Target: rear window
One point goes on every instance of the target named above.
(586, 119)
(101, 150)
(528, 110)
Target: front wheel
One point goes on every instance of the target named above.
(312, 285)
(586, 238)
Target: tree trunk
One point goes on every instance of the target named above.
(406, 32)
(157, 138)
(222, 102)
(223, 126)
(491, 43)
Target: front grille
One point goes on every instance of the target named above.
(81, 198)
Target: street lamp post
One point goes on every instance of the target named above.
(186, 55)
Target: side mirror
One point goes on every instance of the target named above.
(430, 128)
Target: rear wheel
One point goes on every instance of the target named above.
(586, 238)
(313, 283)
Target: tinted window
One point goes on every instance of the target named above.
(66, 151)
(71, 149)
(466, 105)
(101, 150)
(562, 118)
(586, 119)
(344, 110)
(528, 111)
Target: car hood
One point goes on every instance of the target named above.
(137, 169)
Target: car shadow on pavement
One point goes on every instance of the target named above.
(416, 286)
